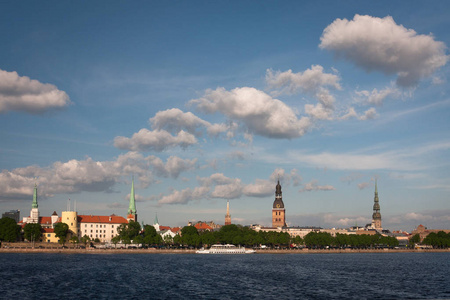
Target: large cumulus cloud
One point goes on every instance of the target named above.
(20, 93)
(259, 112)
(379, 44)
(76, 176)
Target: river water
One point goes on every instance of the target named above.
(191, 276)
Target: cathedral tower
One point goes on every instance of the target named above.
(376, 216)
(34, 213)
(278, 211)
(132, 214)
(227, 216)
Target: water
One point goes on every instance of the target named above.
(190, 276)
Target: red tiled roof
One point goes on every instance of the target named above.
(48, 230)
(175, 229)
(101, 219)
(202, 226)
(45, 220)
(164, 228)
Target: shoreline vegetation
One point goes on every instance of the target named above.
(59, 250)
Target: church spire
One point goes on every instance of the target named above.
(132, 215)
(376, 216)
(227, 216)
(156, 222)
(35, 203)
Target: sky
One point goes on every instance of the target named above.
(205, 102)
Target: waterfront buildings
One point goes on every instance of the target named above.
(12, 214)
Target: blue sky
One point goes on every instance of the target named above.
(208, 101)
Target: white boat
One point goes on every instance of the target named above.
(225, 249)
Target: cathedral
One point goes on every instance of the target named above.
(278, 211)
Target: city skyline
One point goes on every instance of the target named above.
(205, 103)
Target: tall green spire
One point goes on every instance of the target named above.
(132, 207)
(35, 204)
(156, 219)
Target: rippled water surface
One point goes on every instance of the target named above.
(190, 276)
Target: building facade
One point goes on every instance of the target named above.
(278, 210)
(12, 214)
(103, 228)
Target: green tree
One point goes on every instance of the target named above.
(190, 236)
(9, 230)
(61, 229)
(415, 239)
(129, 231)
(115, 240)
(74, 239)
(150, 235)
(85, 239)
(32, 231)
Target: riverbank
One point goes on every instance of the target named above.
(187, 251)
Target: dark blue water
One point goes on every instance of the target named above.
(186, 276)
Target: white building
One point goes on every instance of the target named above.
(102, 227)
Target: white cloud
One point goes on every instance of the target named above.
(184, 196)
(379, 44)
(312, 81)
(76, 176)
(173, 167)
(369, 114)
(318, 111)
(220, 186)
(363, 185)
(314, 186)
(174, 120)
(261, 188)
(157, 140)
(260, 113)
(407, 159)
(376, 97)
(20, 93)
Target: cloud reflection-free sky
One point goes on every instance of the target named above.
(207, 101)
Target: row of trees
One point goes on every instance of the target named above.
(323, 239)
(437, 240)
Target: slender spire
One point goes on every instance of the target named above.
(35, 203)
(132, 207)
(376, 188)
(156, 219)
(228, 216)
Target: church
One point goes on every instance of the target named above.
(278, 210)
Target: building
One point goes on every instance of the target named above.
(45, 222)
(376, 216)
(132, 213)
(228, 216)
(103, 228)
(34, 213)
(12, 214)
(278, 210)
(423, 231)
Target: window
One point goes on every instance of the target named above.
(96, 225)
(48, 235)
(91, 230)
(96, 231)
(112, 226)
(100, 225)
(91, 225)
(85, 231)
